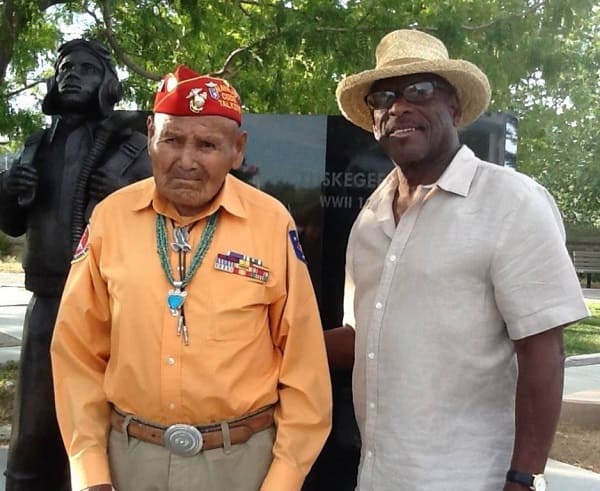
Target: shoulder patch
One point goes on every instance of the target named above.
(296, 245)
(83, 247)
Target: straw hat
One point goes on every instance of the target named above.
(406, 52)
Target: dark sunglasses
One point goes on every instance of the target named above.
(417, 93)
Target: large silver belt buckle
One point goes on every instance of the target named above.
(184, 440)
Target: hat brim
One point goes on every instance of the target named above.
(471, 84)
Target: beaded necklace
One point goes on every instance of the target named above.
(176, 296)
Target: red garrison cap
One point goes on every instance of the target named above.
(186, 93)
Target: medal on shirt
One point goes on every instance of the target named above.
(181, 245)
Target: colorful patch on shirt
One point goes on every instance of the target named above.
(242, 265)
(83, 247)
(297, 247)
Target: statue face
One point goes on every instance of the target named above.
(78, 77)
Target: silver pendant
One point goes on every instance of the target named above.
(181, 236)
(175, 299)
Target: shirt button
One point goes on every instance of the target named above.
(392, 258)
(372, 405)
(371, 355)
(171, 360)
(172, 405)
(378, 305)
(369, 454)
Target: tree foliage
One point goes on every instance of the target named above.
(287, 56)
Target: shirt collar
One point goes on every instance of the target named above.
(456, 179)
(228, 198)
(458, 176)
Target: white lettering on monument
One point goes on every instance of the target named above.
(341, 187)
(353, 179)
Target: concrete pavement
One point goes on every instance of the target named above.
(591, 293)
(13, 302)
(561, 477)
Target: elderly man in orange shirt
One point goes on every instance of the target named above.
(188, 351)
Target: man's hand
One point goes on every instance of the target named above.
(339, 343)
(102, 184)
(19, 180)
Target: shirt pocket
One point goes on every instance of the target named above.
(240, 308)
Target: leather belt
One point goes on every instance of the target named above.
(187, 440)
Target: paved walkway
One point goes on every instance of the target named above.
(591, 293)
(561, 477)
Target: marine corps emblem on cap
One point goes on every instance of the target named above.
(197, 99)
(186, 93)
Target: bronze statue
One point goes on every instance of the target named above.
(48, 193)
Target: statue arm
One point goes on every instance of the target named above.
(18, 186)
(13, 218)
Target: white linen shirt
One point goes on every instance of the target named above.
(477, 261)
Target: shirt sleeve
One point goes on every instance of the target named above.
(80, 351)
(303, 414)
(535, 283)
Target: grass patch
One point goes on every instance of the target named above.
(584, 336)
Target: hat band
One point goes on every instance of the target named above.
(405, 61)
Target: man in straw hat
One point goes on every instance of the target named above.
(188, 351)
(456, 270)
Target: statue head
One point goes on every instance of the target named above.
(84, 81)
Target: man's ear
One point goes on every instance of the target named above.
(151, 131)
(240, 148)
(455, 109)
(376, 133)
(150, 126)
(376, 128)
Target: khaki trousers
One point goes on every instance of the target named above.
(139, 466)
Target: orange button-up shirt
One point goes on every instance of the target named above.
(252, 342)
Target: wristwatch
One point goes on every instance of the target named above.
(536, 482)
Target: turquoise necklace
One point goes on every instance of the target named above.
(180, 244)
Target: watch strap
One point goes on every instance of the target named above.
(520, 478)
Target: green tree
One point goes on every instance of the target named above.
(559, 116)
(287, 57)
